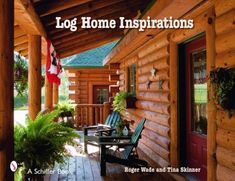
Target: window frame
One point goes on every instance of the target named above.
(131, 78)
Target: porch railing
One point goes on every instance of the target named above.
(91, 114)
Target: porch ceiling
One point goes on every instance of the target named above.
(68, 43)
(37, 17)
(20, 40)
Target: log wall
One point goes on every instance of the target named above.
(216, 19)
(225, 57)
(153, 102)
(82, 80)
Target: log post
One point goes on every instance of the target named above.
(174, 151)
(211, 132)
(106, 110)
(6, 88)
(55, 94)
(48, 94)
(34, 75)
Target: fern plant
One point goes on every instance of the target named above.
(65, 108)
(66, 113)
(41, 143)
(119, 102)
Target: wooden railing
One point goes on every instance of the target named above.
(91, 114)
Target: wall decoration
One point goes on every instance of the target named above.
(155, 78)
(223, 81)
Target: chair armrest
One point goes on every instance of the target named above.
(90, 127)
(96, 126)
(105, 130)
(104, 138)
(116, 144)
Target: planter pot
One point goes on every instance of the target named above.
(66, 114)
(130, 102)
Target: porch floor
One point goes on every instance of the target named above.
(85, 167)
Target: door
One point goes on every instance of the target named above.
(100, 94)
(196, 107)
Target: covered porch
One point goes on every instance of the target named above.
(27, 26)
(164, 68)
(86, 167)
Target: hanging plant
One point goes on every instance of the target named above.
(20, 75)
(124, 100)
(223, 81)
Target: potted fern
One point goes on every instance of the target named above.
(124, 100)
(66, 109)
(66, 116)
(41, 144)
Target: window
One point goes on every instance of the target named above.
(100, 94)
(132, 78)
(199, 122)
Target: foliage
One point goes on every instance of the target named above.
(66, 113)
(119, 102)
(63, 98)
(223, 80)
(41, 143)
(42, 80)
(18, 174)
(20, 75)
(122, 123)
(68, 123)
(20, 101)
(65, 108)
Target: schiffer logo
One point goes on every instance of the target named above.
(13, 166)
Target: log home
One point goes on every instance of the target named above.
(91, 84)
(90, 81)
(167, 69)
(180, 130)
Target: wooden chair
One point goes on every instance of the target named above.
(128, 156)
(92, 133)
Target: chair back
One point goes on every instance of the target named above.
(113, 119)
(134, 138)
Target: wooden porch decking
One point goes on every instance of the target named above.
(86, 167)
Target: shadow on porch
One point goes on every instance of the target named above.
(86, 167)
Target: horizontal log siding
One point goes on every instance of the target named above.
(81, 78)
(152, 103)
(225, 57)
